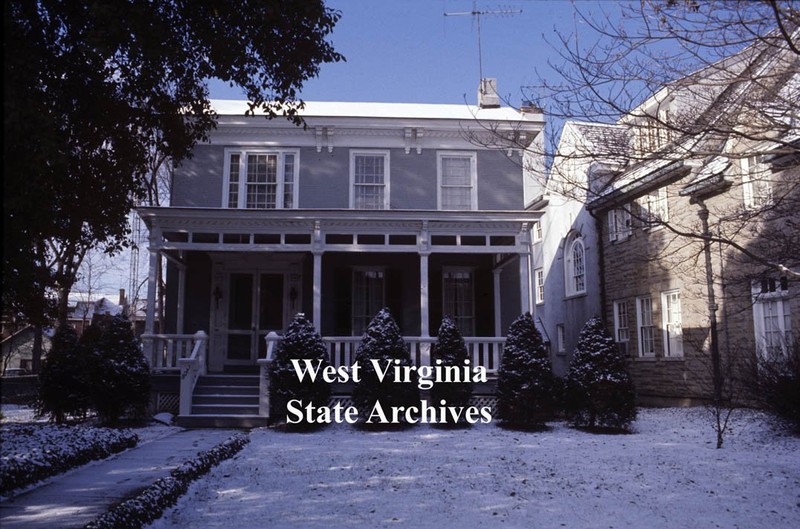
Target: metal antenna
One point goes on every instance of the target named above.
(477, 14)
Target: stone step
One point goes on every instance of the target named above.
(221, 421)
(224, 409)
(226, 390)
(228, 380)
(228, 398)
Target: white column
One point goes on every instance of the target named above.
(317, 303)
(424, 311)
(525, 282)
(181, 298)
(498, 331)
(150, 314)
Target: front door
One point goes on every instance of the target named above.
(255, 307)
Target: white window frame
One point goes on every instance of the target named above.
(537, 231)
(756, 190)
(622, 322)
(281, 181)
(654, 208)
(672, 323)
(574, 278)
(561, 339)
(619, 223)
(771, 298)
(473, 157)
(464, 322)
(538, 283)
(645, 327)
(386, 175)
(353, 315)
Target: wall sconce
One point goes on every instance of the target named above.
(217, 295)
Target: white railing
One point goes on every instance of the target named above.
(192, 368)
(162, 351)
(483, 351)
(272, 340)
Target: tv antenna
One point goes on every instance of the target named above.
(478, 14)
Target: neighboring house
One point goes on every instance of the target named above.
(419, 208)
(664, 290)
(82, 312)
(566, 270)
(17, 349)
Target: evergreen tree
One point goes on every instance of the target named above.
(63, 382)
(119, 374)
(301, 342)
(451, 350)
(525, 380)
(599, 390)
(382, 342)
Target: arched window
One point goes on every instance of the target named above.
(575, 266)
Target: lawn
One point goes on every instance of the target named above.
(665, 475)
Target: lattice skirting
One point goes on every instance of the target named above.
(167, 402)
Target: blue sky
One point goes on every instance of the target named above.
(407, 51)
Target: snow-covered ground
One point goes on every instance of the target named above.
(666, 475)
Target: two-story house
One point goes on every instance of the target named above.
(418, 208)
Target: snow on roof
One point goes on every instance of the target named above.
(388, 110)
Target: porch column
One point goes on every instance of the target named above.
(497, 324)
(525, 282)
(317, 303)
(181, 296)
(424, 312)
(150, 313)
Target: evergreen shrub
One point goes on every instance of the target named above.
(451, 350)
(599, 390)
(525, 381)
(63, 381)
(301, 342)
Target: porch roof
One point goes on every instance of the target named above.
(221, 229)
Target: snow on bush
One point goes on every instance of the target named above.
(301, 342)
(152, 501)
(525, 382)
(452, 351)
(32, 452)
(599, 390)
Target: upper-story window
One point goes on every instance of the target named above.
(369, 179)
(458, 180)
(575, 266)
(756, 187)
(653, 130)
(260, 179)
(619, 223)
(654, 208)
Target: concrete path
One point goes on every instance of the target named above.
(77, 497)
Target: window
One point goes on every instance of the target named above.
(459, 299)
(538, 280)
(260, 179)
(621, 326)
(756, 188)
(652, 133)
(671, 319)
(369, 177)
(368, 297)
(653, 208)
(772, 317)
(644, 317)
(537, 231)
(457, 175)
(619, 223)
(575, 267)
(561, 338)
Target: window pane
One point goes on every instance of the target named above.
(233, 181)
(458, 198)
(288, 180)
(369, 181)
(456, 171)
(262, 181)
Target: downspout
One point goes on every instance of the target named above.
(601, 268)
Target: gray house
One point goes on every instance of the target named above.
(419, 208)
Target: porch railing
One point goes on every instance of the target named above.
(192, 368)
(483, 351)
(162, 351)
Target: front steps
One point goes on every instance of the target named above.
(224, 401)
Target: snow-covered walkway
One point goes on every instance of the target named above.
(666, 475)
(75, 498)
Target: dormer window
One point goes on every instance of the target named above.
(260, 179)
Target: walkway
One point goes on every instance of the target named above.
(77, 497)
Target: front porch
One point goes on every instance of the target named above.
(238, 276)
(242, 399)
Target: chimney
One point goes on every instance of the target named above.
(487, 94)
(529, 107)
(122, 300)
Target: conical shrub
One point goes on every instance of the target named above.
(63, 381)
(599, 389)
(450, 350)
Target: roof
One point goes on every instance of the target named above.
(389, 110)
